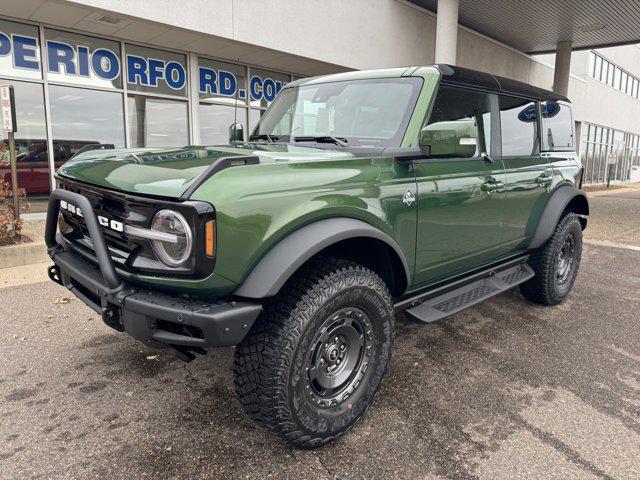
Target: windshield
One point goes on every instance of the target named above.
(357, 113)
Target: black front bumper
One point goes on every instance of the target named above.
(156, 318)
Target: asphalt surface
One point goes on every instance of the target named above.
(504, 390)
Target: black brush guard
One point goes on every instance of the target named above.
(158, 319)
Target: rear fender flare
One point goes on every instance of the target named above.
(554, 209)
(277, 266)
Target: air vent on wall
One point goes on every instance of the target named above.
(591, 27)
(108, 19)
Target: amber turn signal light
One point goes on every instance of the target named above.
(210, 238)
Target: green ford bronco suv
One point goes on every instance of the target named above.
(424, 189)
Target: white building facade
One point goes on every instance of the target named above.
(164, 73)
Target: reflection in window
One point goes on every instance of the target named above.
(30, 138)
(264, 86)
(215, 121)
(25, 62)
(88, 56)
(224, 82)
(519, 126)
(157, 122)
(557, 126)
(156, 71)
(459, 110)
(81, 117)
(371, 112)
(254, 118)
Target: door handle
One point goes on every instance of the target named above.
(492, 185)
(544, 180)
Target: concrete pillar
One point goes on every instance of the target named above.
(447, 31)
(562, 68)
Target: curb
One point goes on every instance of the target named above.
(612, 191)
(23, 254)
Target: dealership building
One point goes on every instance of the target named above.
(143, 73)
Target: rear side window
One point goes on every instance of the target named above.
(519, 126)
(557, 126)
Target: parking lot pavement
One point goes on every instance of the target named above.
(504, 390)
(615, 216)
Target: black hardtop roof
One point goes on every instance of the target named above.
(452, 74)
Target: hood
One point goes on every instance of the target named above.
(170, 172)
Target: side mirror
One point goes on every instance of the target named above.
(450, 139)
(236, 133)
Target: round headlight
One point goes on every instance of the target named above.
(174, 246)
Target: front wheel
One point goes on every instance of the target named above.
(555, 263)
(315, 359)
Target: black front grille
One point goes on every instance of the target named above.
(131, 254)
(121, 247)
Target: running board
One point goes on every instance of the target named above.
(454, 301)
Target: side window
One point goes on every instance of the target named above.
(519, 126)
(460, 123)
(557, 126)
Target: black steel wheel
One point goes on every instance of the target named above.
(566, 259)
(339, 357)
(314, 360)
(556, 263)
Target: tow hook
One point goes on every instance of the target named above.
(54, 274)
(111, 316)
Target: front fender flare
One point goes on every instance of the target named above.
(553, 210)
(275, 268)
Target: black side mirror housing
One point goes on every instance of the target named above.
(236, 133)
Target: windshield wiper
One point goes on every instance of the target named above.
(343, 142)
(265, 136)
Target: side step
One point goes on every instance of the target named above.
(454, 301)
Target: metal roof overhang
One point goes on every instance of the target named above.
(536, 26)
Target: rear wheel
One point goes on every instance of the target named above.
(556, 263)
(315, 359)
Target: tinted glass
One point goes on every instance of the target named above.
(83, 60)
(156, 71)
(30, 138)
(221, 81)
(557, 126)
(455, 107)
(518, 126)
(19, 50)
(215, 121)
(157, 122)
(81, 117)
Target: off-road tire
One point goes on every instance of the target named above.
(271, 364)
(545, 287)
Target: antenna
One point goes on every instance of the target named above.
(235, 104)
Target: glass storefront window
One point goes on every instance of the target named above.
(156, 71)
(81, 117)
(86, 76)
(157, 122)
(221, 81)
(264, 86)
(215, 121)
(30, 138)
(19, 50)
(83, 60)
(254, 118)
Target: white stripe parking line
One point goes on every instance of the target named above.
(606, 243)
